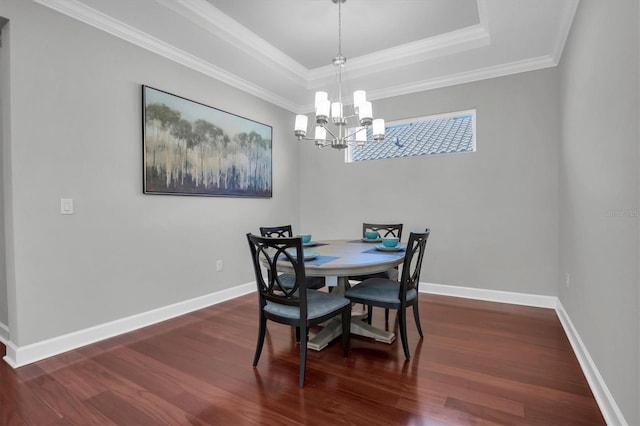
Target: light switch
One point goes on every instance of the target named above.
(66, 206)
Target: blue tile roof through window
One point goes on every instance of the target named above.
(432, 136)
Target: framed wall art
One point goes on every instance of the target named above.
(193, 149)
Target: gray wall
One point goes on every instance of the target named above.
(4, 307)
(599, 192)
(493, 213)
(76, 133)
(499, 218)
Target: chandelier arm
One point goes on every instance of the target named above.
(306, 138)
(331, 133)
(358, 130)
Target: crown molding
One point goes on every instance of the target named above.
(453, 79)
(200, 12)
(565, 28)
(214, 21)
(418, 51)
(465, 77)
(211, 19)
(94, 18)
(483, 14)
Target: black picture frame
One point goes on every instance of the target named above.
(190, 148)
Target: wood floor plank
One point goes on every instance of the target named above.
(119, 410)
(480, 363)
(63, 401)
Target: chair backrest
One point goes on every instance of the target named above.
(269, 255)
(392, 230)
(283, 231)
(412, 264)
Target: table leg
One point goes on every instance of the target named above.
(362, 328)
(330, 331)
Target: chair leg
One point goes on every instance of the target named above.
(402, 315)
(416, 316)
(262, 330)
(386, 315)
(369, 314)
(297, 334)
(303, 354)
(346, 330)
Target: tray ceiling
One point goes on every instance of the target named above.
(281, 50)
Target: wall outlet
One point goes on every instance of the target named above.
(219, 265)
(567, 280)
(66, 206)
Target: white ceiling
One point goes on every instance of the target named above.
(281, 50)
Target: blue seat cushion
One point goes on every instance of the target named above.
(319, 304)
(379, 290)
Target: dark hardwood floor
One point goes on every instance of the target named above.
(479, 363)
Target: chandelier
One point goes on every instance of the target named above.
(350, 122)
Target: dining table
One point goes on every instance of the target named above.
(336, 260)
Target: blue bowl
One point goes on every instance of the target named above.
(306, 238)
(390, 242)
(371, 235)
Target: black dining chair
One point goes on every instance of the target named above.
(286, 231)
(296, 306)
(384, 230)
(391, 294)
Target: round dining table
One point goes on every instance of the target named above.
(336, 260)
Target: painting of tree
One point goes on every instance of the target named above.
(194, 149)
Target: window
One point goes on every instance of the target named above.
(435, 134)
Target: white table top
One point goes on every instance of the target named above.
(352, 258)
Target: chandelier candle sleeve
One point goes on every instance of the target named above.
(321, 96)
(301, 125)
(322, 111)
(359, 97)
(378, 129)
(321, 133)
(336, 110)
(365, 113)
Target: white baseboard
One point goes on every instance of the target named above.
(536, 300)
(610, 410)
(18, 356)
(4, 333)
(607, 404)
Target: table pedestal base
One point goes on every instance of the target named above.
(333, 327)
